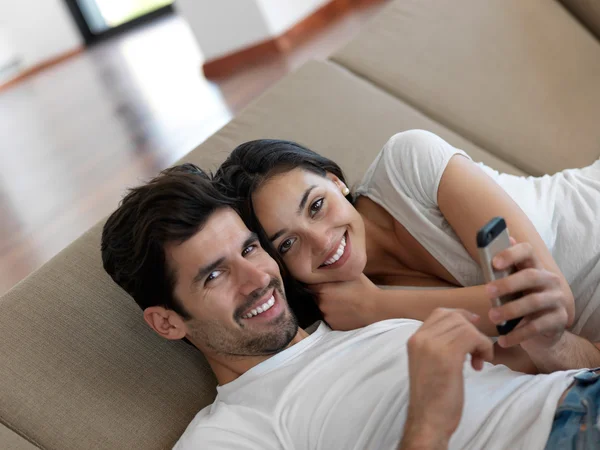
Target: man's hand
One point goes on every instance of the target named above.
(542, 305)
(436, 356)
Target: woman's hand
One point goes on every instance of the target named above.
(543, 305)
(347, 305)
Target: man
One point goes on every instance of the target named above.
(183, 253)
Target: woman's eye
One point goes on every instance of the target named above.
(286, 245)
(316, 207)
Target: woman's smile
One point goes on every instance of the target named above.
(338, 256)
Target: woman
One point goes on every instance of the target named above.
(412, 223)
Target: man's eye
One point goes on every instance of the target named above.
(316, 207)
(248, 249)
(214, 274)
(286, 245)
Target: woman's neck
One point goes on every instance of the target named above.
(382, 247)
(394, 257)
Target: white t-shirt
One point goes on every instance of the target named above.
(564, 208)
(349, 390)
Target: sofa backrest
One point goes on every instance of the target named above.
(518, 78)
(587, 11)
(80, 368)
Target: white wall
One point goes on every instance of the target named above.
(39, 30)
(222, 27)
(281, 15)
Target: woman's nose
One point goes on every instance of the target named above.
(320, 240)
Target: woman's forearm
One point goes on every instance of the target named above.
(419, 303)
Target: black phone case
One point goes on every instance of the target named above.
(485, 235)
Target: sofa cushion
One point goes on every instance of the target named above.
(519, 78)
(81, 369)
(588, 11)
(12, 441)
(330, 110)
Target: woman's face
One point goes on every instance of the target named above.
(317, 232)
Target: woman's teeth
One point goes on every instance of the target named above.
(261, 309)
(338, 253)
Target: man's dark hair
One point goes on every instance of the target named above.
(171, 208)
(246, 169)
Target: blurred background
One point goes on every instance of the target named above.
(99, 95)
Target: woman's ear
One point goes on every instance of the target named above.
(339, 183)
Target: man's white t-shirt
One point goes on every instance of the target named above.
(564, 208)
(349, 390)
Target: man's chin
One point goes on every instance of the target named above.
(280, 333)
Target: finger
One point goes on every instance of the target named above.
(469, 340)
(549, 324)
(448, 315)
(443, 323)
(521, 255)
(477, 362)
(523, 280)
(452, 322)
(512, 240)
(532, 303)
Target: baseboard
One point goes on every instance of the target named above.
(300, 32)
(27, 73)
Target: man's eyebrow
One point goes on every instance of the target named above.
(300, 208)
(205, 270)
(252, 237)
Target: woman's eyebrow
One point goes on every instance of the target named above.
(305, 199)
(301, 206)
(276, 235)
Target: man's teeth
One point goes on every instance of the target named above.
(261, 309)
(338, 253)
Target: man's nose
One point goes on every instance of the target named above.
(251, 277)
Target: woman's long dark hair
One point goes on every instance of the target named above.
(249, 166)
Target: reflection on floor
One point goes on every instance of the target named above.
(75, 136)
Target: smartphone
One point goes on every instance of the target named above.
(493, 238)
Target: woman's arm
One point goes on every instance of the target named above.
(469, 198)
(352, 304)
(356, 303)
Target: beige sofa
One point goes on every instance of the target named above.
(515, 83)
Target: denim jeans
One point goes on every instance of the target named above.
(576, 422)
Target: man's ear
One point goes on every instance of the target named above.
(165, 322)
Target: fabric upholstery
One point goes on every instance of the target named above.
(332, 111)
(587, 11)
(518, 78)
(84, 370)
(12, 441)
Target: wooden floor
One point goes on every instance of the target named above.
(73, 137)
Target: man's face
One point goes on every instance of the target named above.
(224, 279)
